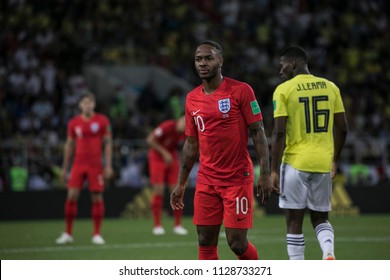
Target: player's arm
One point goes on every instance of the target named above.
(107, 144)
(260, 142)
(151, 139)
(68, 152)
(278, 143)
(189, 155)
(340, 134)
(278, 146)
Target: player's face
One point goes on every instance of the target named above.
(87, 105)
(286, 68)
(208, 62)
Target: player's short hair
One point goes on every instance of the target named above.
(295, 52)
(87, 94)
(214, 44)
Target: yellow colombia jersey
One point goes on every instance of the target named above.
(309, 103)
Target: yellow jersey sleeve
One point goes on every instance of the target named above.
(338, 105)
(279, 101)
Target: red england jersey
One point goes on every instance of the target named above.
(88, 135)
(168, 137)
(220, 122)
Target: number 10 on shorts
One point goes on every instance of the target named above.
(242, 205)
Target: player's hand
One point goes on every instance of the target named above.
(334, 169)
(167, 158)
(108, 172)
(63, 175)
(264, 187)
(177, 195)
(275, 182)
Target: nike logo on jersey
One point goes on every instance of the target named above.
(195, 112)
(240, 219)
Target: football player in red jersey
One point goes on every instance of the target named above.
(86, 134)
(163, 159)
(219, 114)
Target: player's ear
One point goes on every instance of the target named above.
(221, 62)
(293, 64)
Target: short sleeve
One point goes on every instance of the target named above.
(250, 108)
(338, 106)
(106, 126)
(191, 129)
(279, 103)
(70, 129)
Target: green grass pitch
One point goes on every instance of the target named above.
(364, 237)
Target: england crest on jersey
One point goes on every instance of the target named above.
(94, 127)
(224, 105)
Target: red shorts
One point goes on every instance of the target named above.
(232, 205)
(161, 173)
(94, 176)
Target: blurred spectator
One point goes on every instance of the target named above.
(359, 175)
(131, 176)
(18, 177)
(33, 84)
(49, 75)
(176, 102)
(42, 108)
(36, 182)
(118, 106)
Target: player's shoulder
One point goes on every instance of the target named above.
(291, 84)
(328, 83)
(284, 87)
(101, 117)
(195, 91)
(168, 123)
(74, 120)
(315, 79)
(236, 84)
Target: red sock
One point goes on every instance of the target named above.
(157, 205)
(208, 253)
(250, 253)
(177, 214)
(97, 216)
(70, 214)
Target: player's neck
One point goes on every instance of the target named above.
(87, 116)
(304, 70)
(210, 86)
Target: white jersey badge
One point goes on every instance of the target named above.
(224, 105)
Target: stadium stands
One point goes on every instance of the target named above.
(45, 45)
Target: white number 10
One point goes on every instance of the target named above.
(242, 205)
(199, 123)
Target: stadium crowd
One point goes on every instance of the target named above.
(45, 44)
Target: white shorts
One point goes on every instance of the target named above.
(299, 189)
